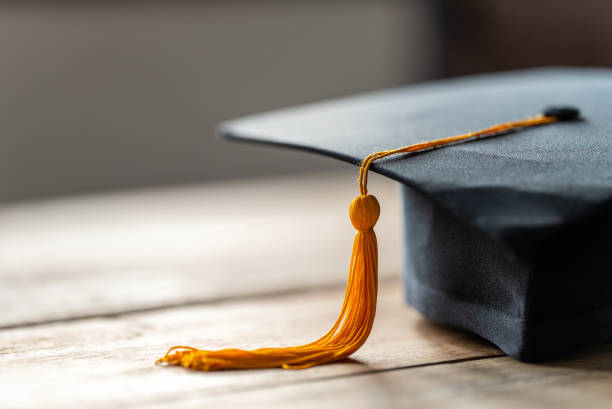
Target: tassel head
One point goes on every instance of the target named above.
(364, 212)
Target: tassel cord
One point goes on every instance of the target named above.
(539, 119)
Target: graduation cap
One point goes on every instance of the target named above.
(508, 236)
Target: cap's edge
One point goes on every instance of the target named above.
(225, 130)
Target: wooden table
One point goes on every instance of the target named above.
(95, 288)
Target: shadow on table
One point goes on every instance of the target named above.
(455, 337)
(595, 358)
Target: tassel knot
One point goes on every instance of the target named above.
(364, 212)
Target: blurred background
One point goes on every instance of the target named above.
(112, 95)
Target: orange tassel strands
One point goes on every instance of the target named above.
(346, 336)
(354, 324)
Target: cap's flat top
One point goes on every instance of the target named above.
(567, 160)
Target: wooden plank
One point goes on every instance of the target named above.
(581, 381)
(104, 254)
(105, 362)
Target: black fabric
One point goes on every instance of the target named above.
(508, 236)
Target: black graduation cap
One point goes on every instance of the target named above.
(509, 237)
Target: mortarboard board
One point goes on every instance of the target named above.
(508, 237)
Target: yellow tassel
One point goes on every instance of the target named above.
(359, 308)
(346, 336)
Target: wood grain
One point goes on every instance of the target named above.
(581, 381)
(106, 362)
(104, 254)
(94, 289)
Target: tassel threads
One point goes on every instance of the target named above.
(348, 334)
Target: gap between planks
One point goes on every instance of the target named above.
(111, 360)
(578, 381)
(192, 303)
(104, 254)
(176, 398)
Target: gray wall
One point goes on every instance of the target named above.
(117, 95)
